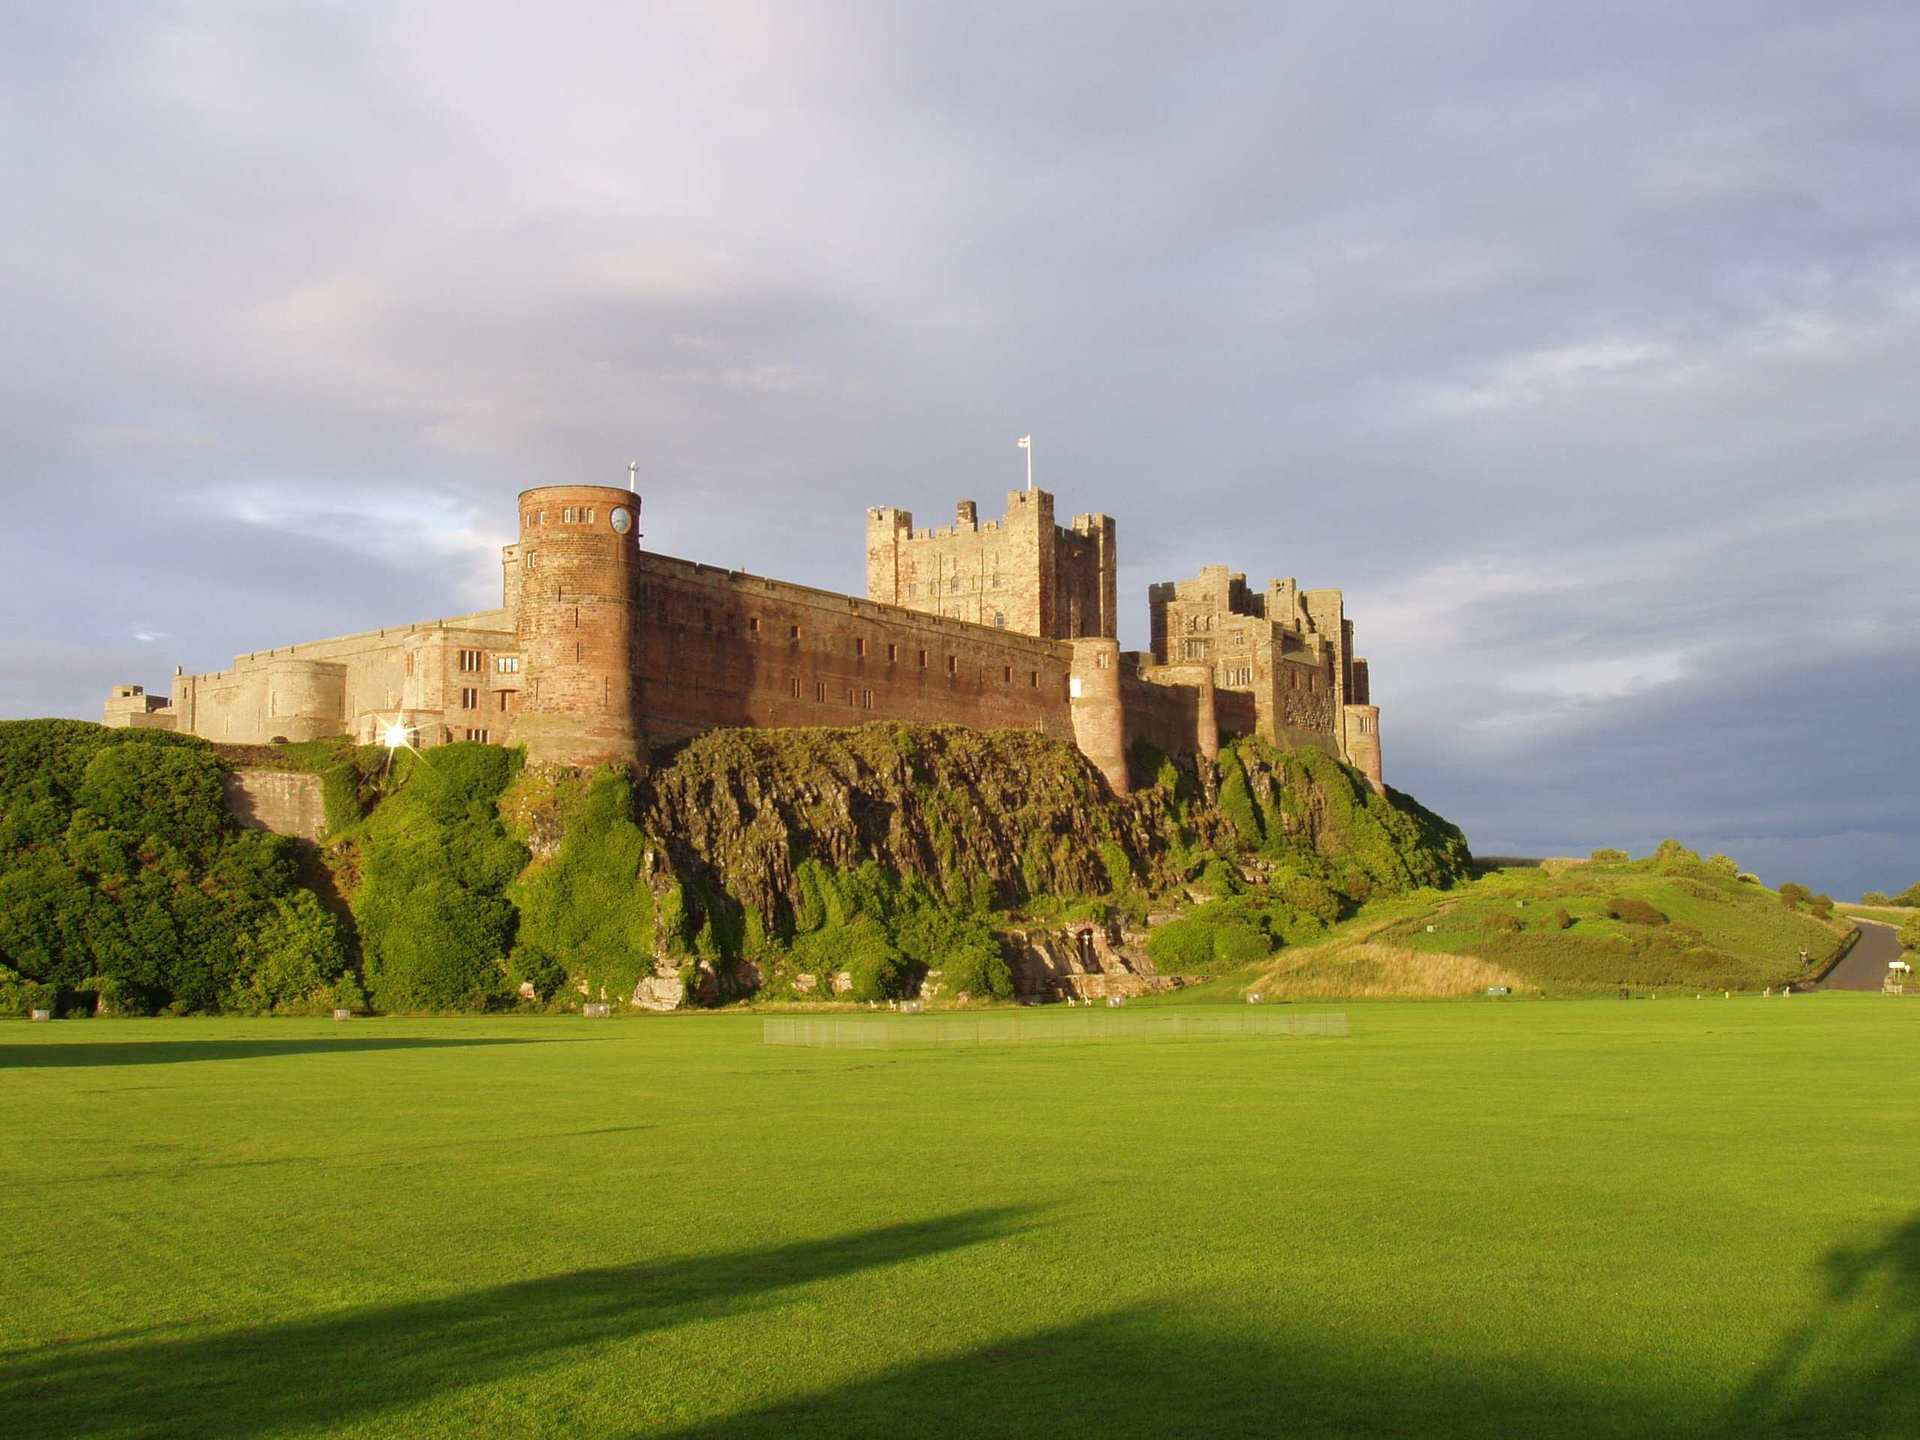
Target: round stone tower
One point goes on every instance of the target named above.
(579, 625)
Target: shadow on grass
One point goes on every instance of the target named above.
(173, 1052)
(340, 1370)
(1147, 1373)
(1850, 1369)
(1854, 1367)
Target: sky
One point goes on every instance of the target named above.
(1577, 344)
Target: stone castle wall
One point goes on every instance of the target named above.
(722, 647)
(602, 649)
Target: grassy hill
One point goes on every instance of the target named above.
(1567, 927)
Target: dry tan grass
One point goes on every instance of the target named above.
(1365, 969)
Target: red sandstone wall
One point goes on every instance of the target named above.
(579, 627)
(1236, 712)
(718, 647)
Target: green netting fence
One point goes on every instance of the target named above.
(933, 1031)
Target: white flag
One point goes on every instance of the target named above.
(1025, 442)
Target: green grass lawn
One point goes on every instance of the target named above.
(1517, 1218)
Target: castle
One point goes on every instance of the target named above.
(601, 649)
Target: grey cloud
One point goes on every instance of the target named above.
(1574, 345)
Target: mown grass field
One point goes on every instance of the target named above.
(1483, 1218)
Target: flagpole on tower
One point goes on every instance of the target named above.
(633, 477)
(1025, 442)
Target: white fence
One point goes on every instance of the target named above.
(933, 1031)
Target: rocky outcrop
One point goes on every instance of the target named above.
(1086, 959)
(1002, 815)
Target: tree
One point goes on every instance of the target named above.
(291, 961)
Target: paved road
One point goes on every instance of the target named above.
(1865, 966)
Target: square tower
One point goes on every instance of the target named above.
(1021, 572)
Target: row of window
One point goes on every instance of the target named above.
(470, 700)
(569, 515)
(954, 585)
(473, 662)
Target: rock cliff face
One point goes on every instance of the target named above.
(1000, 816)
(772, 855)
(1087, 960)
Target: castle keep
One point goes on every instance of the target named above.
(600, 649)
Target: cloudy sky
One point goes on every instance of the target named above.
(1579, 345)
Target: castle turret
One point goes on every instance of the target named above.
(1363, 743)
(578, 625)
(1099, 715)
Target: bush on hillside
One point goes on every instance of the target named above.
(1875, 897)
(121, 872)
(291, 962)
(435, 924)
(1559, 919)
(1630, 911)
(1792, 894)
(586, 912)
(1609, 857)
(1909, 896)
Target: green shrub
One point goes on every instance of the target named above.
(1609, 857)
(585, 909)
(1183, 946)
(1310, 897)
(1559, 919)
(1909, 896)
(435, 925)
(1236, 799)
(1821, 907)
(291, 961)
(1113, 859)
(1793, 894)
(121, 871)
(1875, 897)
(1511, 924)
(1219, 879)
(1630, 911)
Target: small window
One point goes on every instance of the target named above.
(852, 695)
(820, 691)
(913, 590)
(793, 632)
(866, 699)
(1006, 674)
(409, 664)
(505, 698)
(579, 651)
(999, 620)
(1033, 679)
(533, 559)
(469, 699)
(506, 664)
(953, 664)
(566, 516)
(472, 662)
(477, 735)
(793, 687)
(588, 516)
(923, 659)
(753, 625)
(860, 649)
(893, 653)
